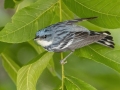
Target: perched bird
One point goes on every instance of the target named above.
(64, 36)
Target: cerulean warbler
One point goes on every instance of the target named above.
(64, 36)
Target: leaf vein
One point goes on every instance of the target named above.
(94, 10)
(31, 21)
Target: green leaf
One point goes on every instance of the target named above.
(9, 4)
(51, 67)
(73, 83)
(47, 81)
(27, 21)
(29, 74)
(1, 28)
(66, 13)
(18, 1)
(3, 46)
(107, 11)
(106, 56)
(39, 49)
(10, 66)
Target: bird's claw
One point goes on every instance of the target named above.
(63, 62)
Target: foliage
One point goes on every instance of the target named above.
(26, 62)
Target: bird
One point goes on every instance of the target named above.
(68, 36)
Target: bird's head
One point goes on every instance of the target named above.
(44, 37)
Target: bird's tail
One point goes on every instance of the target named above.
(108, 40)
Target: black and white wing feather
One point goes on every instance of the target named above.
(103, 38)
(69, 40)
(79, 20)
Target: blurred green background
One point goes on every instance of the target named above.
(5, 81)
(96, 74)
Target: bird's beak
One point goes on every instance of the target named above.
(36, 37)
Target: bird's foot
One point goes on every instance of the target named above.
(63, 62)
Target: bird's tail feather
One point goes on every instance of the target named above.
(108, 40)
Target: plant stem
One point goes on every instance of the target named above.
(60, 10)
(17, 8)
(61, 53)
(62, 72)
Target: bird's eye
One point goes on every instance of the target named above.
(44, 36)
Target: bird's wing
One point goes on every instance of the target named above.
(69, 39)
(70, 22)
(84, 39)
(79, 39)
(79, 20)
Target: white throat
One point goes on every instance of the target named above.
(44, 43)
